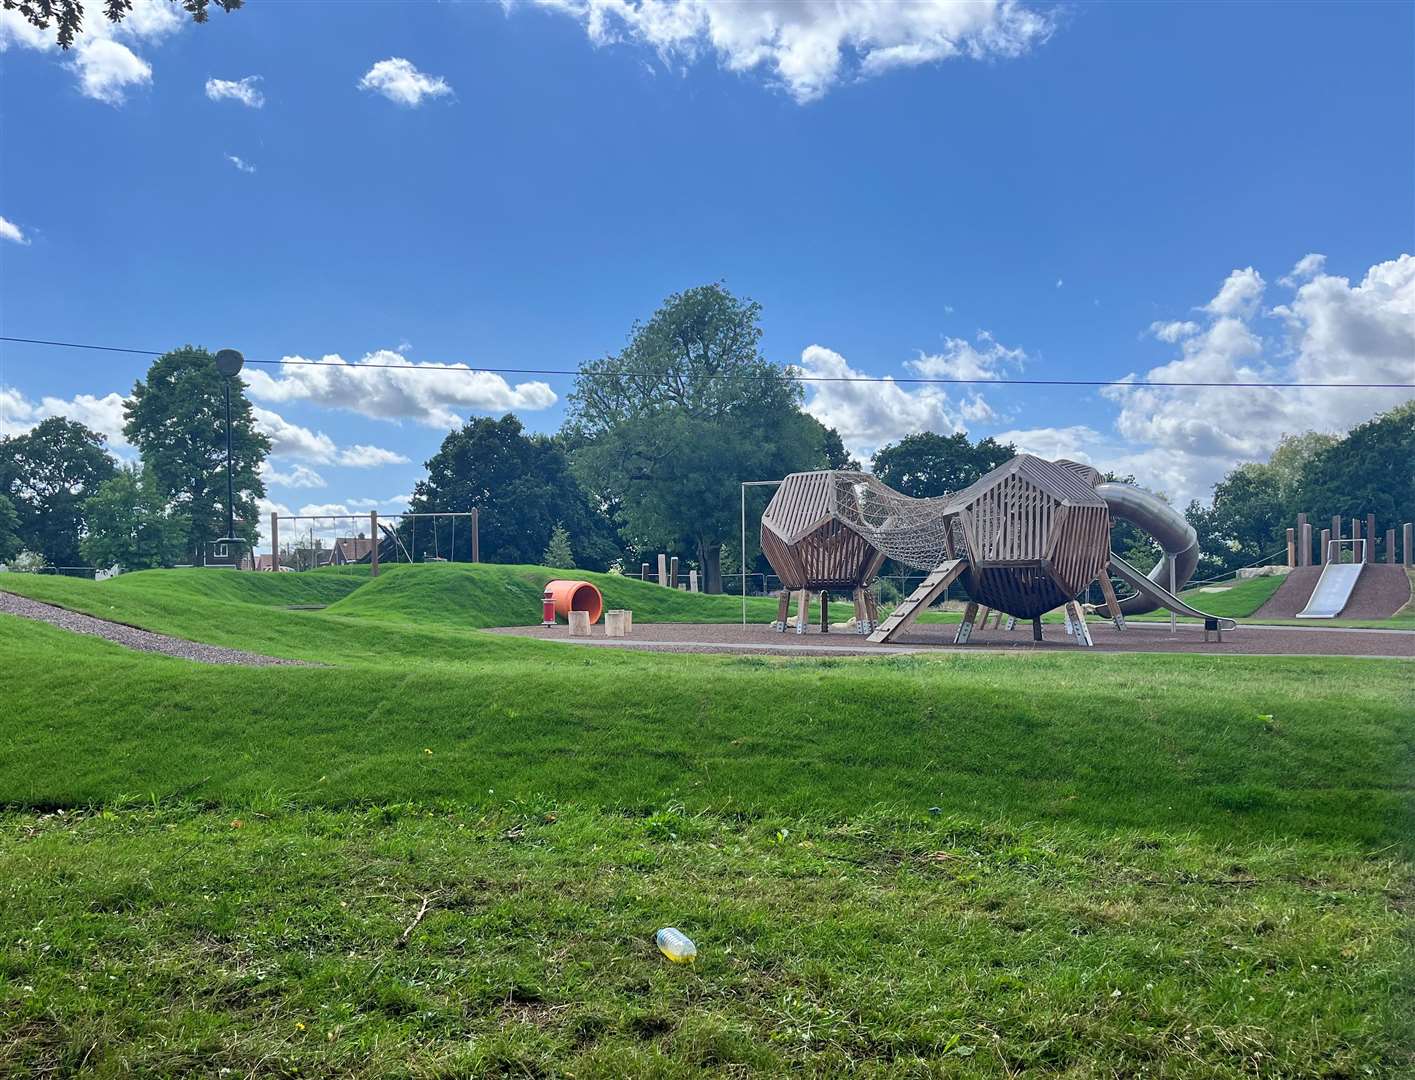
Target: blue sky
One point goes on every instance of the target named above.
(1191, 192)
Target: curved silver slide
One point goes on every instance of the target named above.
(1176, 537)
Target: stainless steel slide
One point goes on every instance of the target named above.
(1333, 590)
(1176, 538)
(1160, 597)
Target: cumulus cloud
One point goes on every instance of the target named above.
(103, 414)
(1077, 442)
(240, 163)
(102, 57)
(297, 476)
(983, 358)
(12, 232)
(1309, 266)
(399, 81)
(1173, 331)
(426, 393)
(246, 91)
(291, 440)
(806, 47)
(1239, 294)
(1331, 331)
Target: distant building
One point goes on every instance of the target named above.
(352, 549)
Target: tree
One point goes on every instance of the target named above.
(130, 524)
(9, 529)
(558, 553)
(1371, 471)
(927, 464)
(68, 15)
(667, 429)
(523, 488)
(177, 421)
(47, 474)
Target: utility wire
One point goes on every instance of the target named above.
(790, 371)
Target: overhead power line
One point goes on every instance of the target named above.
(793, 372)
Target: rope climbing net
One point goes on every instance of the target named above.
(916, 532)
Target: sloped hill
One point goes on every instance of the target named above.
(483, 594)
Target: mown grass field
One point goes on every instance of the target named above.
(1066, 865)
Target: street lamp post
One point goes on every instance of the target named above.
(229, 362)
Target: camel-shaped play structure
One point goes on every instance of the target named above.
(1029, 537)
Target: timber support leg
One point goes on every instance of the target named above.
(783, 609)
(1078, 618)
(1111, 603)
(965, 628)
(825, 612)
(871, 609)
(1037, 628)
(803, 610)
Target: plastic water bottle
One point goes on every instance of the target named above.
(674, 944)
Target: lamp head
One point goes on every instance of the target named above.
(228, 362)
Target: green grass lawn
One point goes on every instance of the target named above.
(1059, 864)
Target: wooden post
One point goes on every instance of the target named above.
(1390, 546)
(275, 542)
(872, 606)
(825, 612)
(373, 551)
(1355, 535)
(1037, 628)
(1326, 543)
(1370, 538)
(1304, 541)
(965, 628)
(1407, 535)
(662, 569)
(643, 571)
(783, 609)
(476, 534)
(803, 610)
(1336, 532)
(692, 581)
(673, 572)
(1291, 547)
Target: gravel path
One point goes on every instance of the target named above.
(935, 637)
(133, 638)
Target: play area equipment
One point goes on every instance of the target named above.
(1337, 582)
(568, 596)
(1029, 537)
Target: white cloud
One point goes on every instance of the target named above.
(1173, 331)
(869, 414)
(1309, 266)
(107, 70)
(297, 476)
(1239, 294)
(1059, 283)
(240, 163)
(102, 55)
(102, 414)
(12, 232)
(808, 46)
(399, 81)
(1078, 442)
(290, 440)
(960, 359)
(1187, 438)
(245, 90)
(426, 393)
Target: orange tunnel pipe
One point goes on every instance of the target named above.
(575, 596)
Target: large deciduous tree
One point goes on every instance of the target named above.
(67, 16)
(9, 529)
(47, 474)
(130, 524)
(927, 464)
(1371, 471)
(668, 428)
(177, 420)
(522, 487)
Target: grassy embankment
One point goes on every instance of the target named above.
(1196, 866)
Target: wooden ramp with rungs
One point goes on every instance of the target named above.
(912, 606)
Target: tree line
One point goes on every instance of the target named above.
(656, 440)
